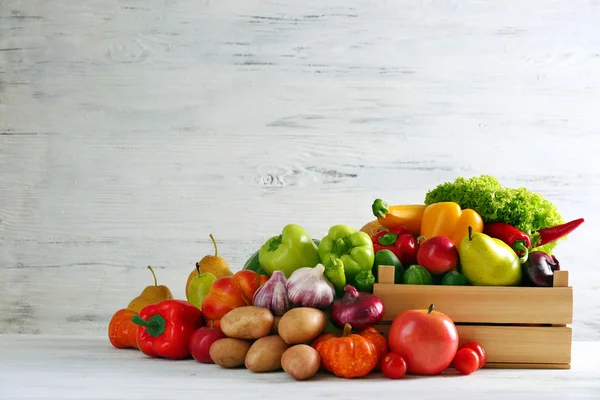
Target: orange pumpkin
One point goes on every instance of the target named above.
(348, 355)
(122, 332)
(380, 344)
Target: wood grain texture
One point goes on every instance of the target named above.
(46, 367)
(516, 344)
(131, 130)
(481, 304)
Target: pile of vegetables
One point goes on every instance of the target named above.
(518, 207)
(302, 304)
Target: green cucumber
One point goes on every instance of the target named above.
(454, 278)
(387, 257)
(417, 275)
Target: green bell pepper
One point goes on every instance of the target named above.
(334, 272)
(364, 281)
(291, 250)
(354, 248)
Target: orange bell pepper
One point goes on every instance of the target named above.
(448, 219)
(408, 215)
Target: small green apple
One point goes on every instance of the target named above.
(199, 287)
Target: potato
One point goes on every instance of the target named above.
(229, 352)
(248, 322)
(302, 324)
(265, 354)
(301, 361)
(275, 328)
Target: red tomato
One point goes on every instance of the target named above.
(427, 340)
(478, 348)
(466, 361)
(393, 366)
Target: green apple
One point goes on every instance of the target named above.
(199, 287)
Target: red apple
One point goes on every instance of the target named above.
(438, 255)
(201, 340)
(426, 339)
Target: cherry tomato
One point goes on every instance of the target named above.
(466, 361)
(478, 348)
(393, 366)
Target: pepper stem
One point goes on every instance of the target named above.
(347, 330)
(380, 208)
(430, 309)
(274, 242)
(153, 274)
(388, 239)
(470, 233)
(519, 247)
(214, 244)
(155, 325)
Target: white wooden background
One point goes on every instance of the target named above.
(130, 130)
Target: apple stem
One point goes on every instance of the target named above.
(430, 309)
(470, 233)
(153, 274)
(211, 324)
(214, 244)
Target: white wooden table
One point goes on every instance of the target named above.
(47, 367)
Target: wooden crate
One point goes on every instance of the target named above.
(519, 327)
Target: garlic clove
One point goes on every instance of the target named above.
(308, 287)
(273, 294)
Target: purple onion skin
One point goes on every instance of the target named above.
(361, 310)
(539, 269)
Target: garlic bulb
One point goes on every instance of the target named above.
(308, 287)
(273, 294)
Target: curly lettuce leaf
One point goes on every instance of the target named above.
(519, 207)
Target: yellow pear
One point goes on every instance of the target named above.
(215, 265)
(150, 295)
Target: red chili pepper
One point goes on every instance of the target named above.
(554, 233)
(399, 241)
(517, 240)
(166, 327)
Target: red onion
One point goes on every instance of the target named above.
(359, 309)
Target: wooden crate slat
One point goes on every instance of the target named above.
(516, 344)
(527, 366)
(482, 304)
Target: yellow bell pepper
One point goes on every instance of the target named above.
(408, 215)
(448, 219)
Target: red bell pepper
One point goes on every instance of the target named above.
(399, 241)
(166, 327)
(229, 292)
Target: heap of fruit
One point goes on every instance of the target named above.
(302, 305)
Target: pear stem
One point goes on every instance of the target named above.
(198, 268)
(430, 309)
(153, 274)
(214, 244)
(470, 233)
